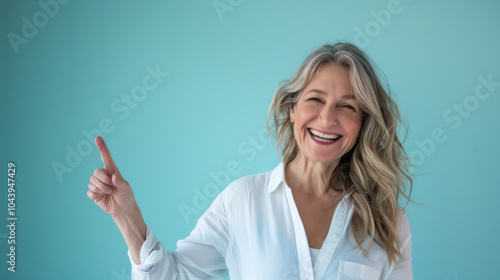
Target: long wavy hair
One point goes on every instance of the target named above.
(375, 170)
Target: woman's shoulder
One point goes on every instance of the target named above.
(403, 227)
(253, 187)
(249, 185)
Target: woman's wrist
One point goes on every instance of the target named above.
(133, 229)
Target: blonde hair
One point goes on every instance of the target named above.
(375, 170)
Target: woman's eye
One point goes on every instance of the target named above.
(350, 107)
(314, 99)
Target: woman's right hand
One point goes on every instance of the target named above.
(113, 194)
(107, 187)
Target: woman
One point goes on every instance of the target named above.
(329, 210)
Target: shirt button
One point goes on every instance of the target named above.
(335, 236)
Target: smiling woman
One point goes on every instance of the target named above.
(338, 127)
(329, 210)
(326, 117)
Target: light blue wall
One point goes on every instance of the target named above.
(71, 73)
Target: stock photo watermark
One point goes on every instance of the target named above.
(122, 107)
(30, 26)
(454, 116)
(253, 144)
(123, 275)
(12, 219)
(380, 20)
(248, 148)
(223, 6)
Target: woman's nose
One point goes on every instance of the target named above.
(328, 116)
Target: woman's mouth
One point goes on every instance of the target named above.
(323, 137)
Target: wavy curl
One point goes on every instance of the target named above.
(375, 170)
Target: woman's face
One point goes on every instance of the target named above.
(326, 118)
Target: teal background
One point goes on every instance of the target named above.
(223, 71)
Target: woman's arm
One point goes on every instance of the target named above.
(114, 195)
(133, 230)
(199, 256)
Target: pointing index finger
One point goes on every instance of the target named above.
(109, 164)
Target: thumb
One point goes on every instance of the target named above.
(117, 180)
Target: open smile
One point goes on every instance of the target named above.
(323, 138)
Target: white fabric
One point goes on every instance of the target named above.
(253, 230)
(314, 255)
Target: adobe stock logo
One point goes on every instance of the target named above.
(123, 275)
(223, 6)
(122, 106)
(373, 28)
(455, 117)
(249, 149)
(29, 29)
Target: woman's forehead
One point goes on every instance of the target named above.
(330, 77)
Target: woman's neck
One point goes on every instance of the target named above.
(313, 178)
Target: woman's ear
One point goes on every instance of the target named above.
(292, 113)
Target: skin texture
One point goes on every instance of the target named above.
(327, 104)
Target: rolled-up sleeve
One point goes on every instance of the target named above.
(200, 256)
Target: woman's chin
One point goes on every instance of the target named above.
(322, 159)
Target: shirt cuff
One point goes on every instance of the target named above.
(148, 245)
(148, 254)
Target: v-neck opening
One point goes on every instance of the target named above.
(328, 247)
(303, 225)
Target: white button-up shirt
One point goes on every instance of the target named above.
(253, 231)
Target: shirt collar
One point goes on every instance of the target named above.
(277, 177)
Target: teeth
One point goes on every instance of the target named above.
(322, 139)
(323, 135)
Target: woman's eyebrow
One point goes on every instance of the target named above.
(316, 90)
(349, 96)
(345, 96)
